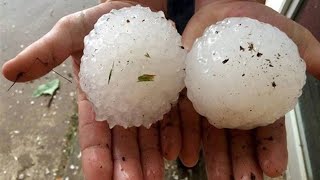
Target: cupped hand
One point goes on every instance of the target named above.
(263, 149)
(119, 153)
(176, 138)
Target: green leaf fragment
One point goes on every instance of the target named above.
(47, 89)
(146, 77)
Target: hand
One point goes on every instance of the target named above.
(267, 152)
(119, 153)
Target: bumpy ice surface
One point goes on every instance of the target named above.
(243, 73)
(133, 65)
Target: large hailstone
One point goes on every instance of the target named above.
(132, 69)
(243, 73)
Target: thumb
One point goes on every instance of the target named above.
(217, 10)
(205, 16)
(209, 14)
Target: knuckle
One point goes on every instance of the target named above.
(64, 22)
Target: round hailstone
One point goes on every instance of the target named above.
(132, 69)
(243, 73)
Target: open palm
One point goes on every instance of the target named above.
(136, 153)
(263, 149)
(119, 153)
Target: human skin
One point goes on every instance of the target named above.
(262, 149)
(137, 153)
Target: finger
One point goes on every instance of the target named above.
(170, 134)
(126, 154)
(215, 147)
(154, 5)
(309, 47)
(53, 48)
(151, 158)
(244, 163)
(190, 124)
(261, 1)
(201, 3)
(95, 143)
(272, 148)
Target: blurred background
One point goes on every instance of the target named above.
(38, 136)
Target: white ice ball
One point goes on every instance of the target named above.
(132, 69)
(243, 73)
